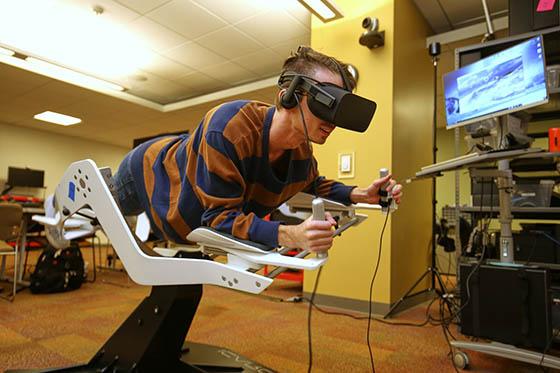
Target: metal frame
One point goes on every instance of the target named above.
(152, 337)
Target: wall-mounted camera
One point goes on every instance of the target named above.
(372, 37)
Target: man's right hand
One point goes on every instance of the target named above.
(312, 235)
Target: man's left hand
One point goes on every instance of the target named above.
(371, 193)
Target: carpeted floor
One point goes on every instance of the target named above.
(64, 329)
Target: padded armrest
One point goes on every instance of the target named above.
(212, 237)
(302, 201)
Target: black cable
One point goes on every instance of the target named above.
(477, 266)
(371, 290)
(309, 337)
(309, 343)
(532, 251)
(310, 149)
(549, 344)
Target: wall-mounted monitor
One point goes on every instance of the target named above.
(25, 177)
(511, 80)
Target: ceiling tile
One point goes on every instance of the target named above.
(142, 6)
(158, 89)
(229, 42)
(434, 14)
(285, 48)
(200, 82)
(194, 55)
(157, 37)
(230, 73)
(167, 68)
(186, 18)
(233, 14)
(273, 27)
(460, 12)
(16, 82)
(112, 10)
(270, 63)
(298, 11)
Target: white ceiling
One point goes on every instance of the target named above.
(197, 47)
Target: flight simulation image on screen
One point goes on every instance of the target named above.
(508, 81)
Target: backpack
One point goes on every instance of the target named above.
(58, 270)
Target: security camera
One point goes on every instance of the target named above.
(372, 38)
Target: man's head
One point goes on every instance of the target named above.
(307, 61)
(321, 68)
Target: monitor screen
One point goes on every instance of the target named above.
(25, 177)
(508, 81)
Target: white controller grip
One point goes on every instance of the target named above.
(318, 208)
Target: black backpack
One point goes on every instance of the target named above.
(58, 270)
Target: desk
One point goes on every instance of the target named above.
(506, 212)
(473, 158)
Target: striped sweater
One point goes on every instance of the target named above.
(221, 177)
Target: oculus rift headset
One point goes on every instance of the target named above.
(329, 102)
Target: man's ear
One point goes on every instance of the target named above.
(288, 99)
(278, 100)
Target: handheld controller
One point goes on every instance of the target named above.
(318, 208)
(384, 199)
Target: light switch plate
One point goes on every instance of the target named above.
(346, 165)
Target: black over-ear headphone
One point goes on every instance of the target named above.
(288, 99)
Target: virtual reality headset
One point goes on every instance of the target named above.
(328, 102)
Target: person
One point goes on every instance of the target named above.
(244, 160)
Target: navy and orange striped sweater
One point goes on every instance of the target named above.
(220, 176)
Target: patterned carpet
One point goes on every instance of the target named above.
(64, 329)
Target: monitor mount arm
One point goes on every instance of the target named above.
(489, 35)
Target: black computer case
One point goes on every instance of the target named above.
(511, 305)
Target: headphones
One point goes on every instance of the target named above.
(288, 99)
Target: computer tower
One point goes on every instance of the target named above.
(511, 305)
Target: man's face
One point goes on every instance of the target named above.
(318, 130)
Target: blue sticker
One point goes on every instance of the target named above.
(72, 191)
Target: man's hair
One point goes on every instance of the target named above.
(306, 61)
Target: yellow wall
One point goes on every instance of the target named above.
(353, 256)
(412, 147)
(26, 147)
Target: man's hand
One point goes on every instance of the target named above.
(371, 193)
(312, 235)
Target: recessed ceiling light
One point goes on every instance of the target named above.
(57, 118)
(325, 10)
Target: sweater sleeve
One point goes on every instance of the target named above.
(221, 186)
(330, 189)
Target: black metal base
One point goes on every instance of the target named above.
(196, 357)
(218, 359)
(152, 339)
